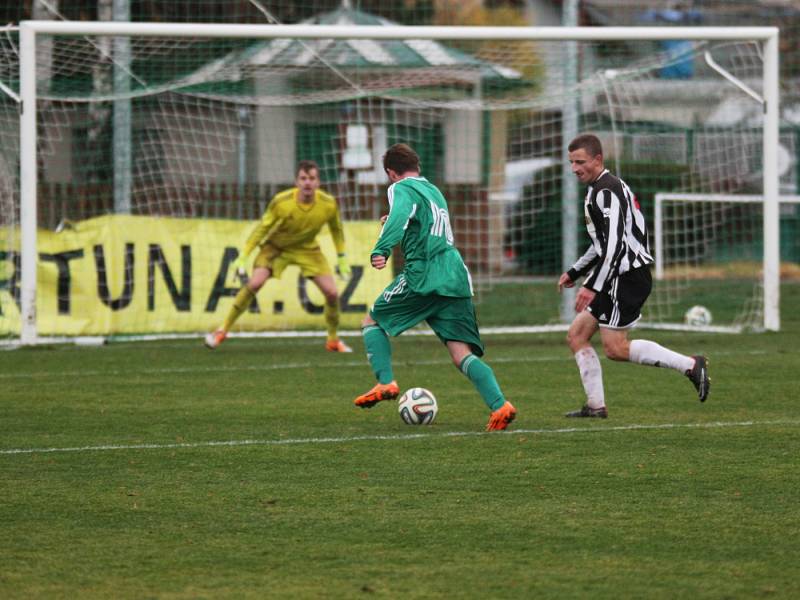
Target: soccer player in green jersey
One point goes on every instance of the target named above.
(435, 286)
(287, 235)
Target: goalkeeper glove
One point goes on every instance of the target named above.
(239, 268)
(343, 267)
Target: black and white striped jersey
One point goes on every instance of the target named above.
(618, 232)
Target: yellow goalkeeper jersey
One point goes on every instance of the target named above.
(290, 224)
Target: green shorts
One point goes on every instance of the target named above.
(452, 319)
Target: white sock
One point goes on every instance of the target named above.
(646, 352)
(591, 376)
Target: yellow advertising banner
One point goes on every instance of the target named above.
(122, 274)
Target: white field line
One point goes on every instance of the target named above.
(402, 437)
(40, 375)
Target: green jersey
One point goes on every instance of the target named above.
(419, 220)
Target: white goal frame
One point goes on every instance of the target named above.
(29, 30)
(771, 268)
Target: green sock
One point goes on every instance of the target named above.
(482, 377)
(379, 353)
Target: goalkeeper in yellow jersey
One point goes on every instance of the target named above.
(287, 235)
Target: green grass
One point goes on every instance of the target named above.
(538, 302)
(668, 498)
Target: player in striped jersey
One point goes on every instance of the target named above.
(435, 286)
(287, 235)
(617, 282)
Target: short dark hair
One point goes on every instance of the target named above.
(401, 158)
(306, 166)
(587, 141)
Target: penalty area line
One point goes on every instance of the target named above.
(397, 437)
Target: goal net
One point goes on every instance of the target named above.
(154, 149)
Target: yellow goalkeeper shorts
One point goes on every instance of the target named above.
(311, 261)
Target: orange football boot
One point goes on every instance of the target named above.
(381, 391)
(337, 346)
(214, 339)
(500, 418)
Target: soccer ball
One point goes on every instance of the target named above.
(698, 316)
(418, 406)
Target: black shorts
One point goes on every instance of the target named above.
(621, 306)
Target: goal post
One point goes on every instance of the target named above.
(680, 259)
(445, 98)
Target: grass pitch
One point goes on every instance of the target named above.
(163, 470)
